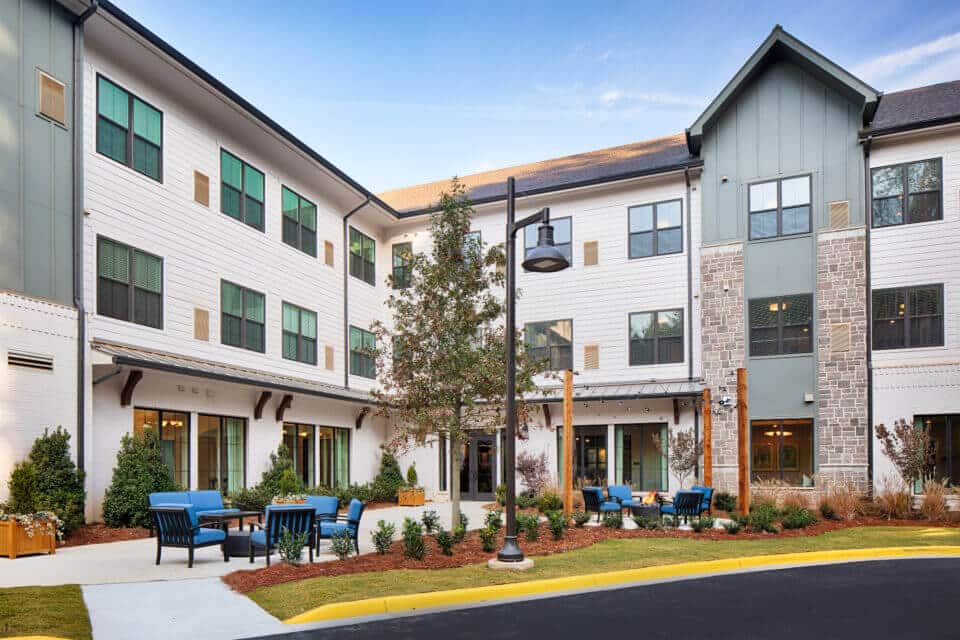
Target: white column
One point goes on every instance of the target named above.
(611, 454)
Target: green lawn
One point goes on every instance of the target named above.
(289, 599)
(49, 611)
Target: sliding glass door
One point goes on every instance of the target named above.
(640, 463)
(333, 462)
(300, 441)
(221, 453)
(173, 430)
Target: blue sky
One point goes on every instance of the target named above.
(405, 92)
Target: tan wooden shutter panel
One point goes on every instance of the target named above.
(328, 358)
(53, 101)
(591, 253)
(839, 214)
(201, 324)
(328, 253)
(840, 337)
(201, 188)
(591, 356)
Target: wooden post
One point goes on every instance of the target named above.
(743, 455)
(707, 440)
(568, 442)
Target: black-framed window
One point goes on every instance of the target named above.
(241, 190)
(129, 130)
(299, 334)
(562, 236)
(402, 255)
(908, 317)
(780, 207)
(907, 193)
(363, 362)
(221, 453)
(655, 229)
(129, 284)
(551, 342)
(242, 317)
(363, 257)
(173, 432)
(945, 433)
(299, 221)
(656, 337)
(782, 451)
(781, 325)
(300, 439)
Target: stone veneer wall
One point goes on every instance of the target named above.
(842, 431)
(722, 326)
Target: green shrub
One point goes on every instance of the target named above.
(647, 522)
(493, 520)
(445, 541)
(412, 475)
(290, 546)
(580, 518)
(725, 501)
(139, 472)
(289, 484)
(341, 544)
(464, 521)
(252, 499)
(459, 533)
(488, 539)
(613, 519)
(501, 493)
(430, 520)
(550, 501)
(59, 482)
(557, 522)
(23, 488)
(732, 527)
(797, 518)
(272, 480)
(529, 524)
(762, 518)
(526, 501)
(703, 523)
(413, 544)
(388, 479)
(383, 536)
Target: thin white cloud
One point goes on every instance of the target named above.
(925, 63)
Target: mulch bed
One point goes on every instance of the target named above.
(99, 532)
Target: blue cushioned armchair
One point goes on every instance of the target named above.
(297, 519)
(349, 523)
(177, 525)
(622, 494)
(707, 503)
(684, 503)
(593, 500)
(208, 502)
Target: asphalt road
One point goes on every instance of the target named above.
(899, 599)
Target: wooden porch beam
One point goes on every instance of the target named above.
(126, 395)
(283, 406)
(707, 440)
(261, 403)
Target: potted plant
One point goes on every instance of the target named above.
(290, 498)
(28, 533)
(411, 495)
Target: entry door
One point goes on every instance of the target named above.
(590, 456)
(477, 477)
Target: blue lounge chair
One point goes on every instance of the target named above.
(622, 494)
(593, 500)
(297, 519)
(707, 504)
(327, 508)
(177, 525)
(684, 503)
(209, 502)
(349, 523)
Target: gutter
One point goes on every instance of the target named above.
(78, 227)
(905, 128)
(867, 209)
(346, 291)
(686, 177)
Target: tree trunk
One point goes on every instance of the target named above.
(456, 464)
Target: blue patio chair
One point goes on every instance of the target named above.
(684, 503)
(593, 500)
(622, 494)
(707, 504)
(297, 519)
(349, 523)
(327, 508)
(177, 525)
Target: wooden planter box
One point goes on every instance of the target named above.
(15, 542)
(410, 497)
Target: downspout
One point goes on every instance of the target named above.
(867, 214)
(686, 177)
(346, 280)
(78, 227)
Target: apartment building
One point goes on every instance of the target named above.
(227, 276)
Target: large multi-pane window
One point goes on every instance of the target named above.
(299, 221)
(129, 284)
(221, 453)
(242, 317)
(782, 451)
(655, 229)
(402, 254)
(781, 325)
(780, 208)
(173, 433)
(907, 193)
(299, 334)
(656, 337)
(363, 260)
(908, 317)
(551, 342)
(562, 237)
(241, 190)
(945, 433)
(299, 440)
(362, 359)
(334, 458)
(640, 463)
(129, 130)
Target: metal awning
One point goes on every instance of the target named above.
(174, 363)
(641, 390)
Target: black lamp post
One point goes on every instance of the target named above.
(544, 258)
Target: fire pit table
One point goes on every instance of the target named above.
(649, 510)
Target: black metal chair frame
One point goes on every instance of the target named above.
(592, 501)
(174, 529)
(289, 518)
(683, 509)
(343, 518)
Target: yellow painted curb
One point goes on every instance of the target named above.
(430, 599)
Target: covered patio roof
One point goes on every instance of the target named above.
(640, 390)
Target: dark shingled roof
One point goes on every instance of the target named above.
(916, 108)
(605, 165)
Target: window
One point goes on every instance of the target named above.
(552, 342)
(363, 257)
(639, 462)
(362, 359)
(562, 237)
(919, 182)
(173, 431)
(781, 325)
(299, 221)
(782, 451)
(656, 337)
(129, 130)
(334, 459)
(402, 254)
(242, 317)
(780, 208)
(129, 284)
(241, 190)
(299, 440)
(655, 229)
(945, 432)
(221, 453)
(908, 317)
(299, 334)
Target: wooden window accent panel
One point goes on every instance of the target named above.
(53, 99)
(201, 188)
(839, 214)
(328, 358)
(591, 356)
(840, 337)
(591, 253)
(328, 253)
(201, 324)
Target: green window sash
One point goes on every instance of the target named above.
(254, 306)
(341, 454)
(146, 122)
(231, 170)
(290, 203)
(148, 272)
(231, 299)
(113, 102)
(308, 324)
(114, 261)
(291, 318)
(253, 185)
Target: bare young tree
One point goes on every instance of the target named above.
(682, 450)
(911, 449)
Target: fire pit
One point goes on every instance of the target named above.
(648, 507)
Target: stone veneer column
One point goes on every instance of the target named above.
(721, 320)
(842, 431)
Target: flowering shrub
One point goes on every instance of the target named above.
(290, 498)
(44, 522)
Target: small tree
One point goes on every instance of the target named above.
(59, 482)
(912, 450)
(140, 471)
(683, 450)
(389, 478)
(534, 470)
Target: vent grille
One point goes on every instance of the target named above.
(840, 337)
(29, 360)
(201, 324)
(591, 356)
(53, 103)
(328, 358)
(328, 253)
(591, 253)
(839, 214)
(201, 188)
